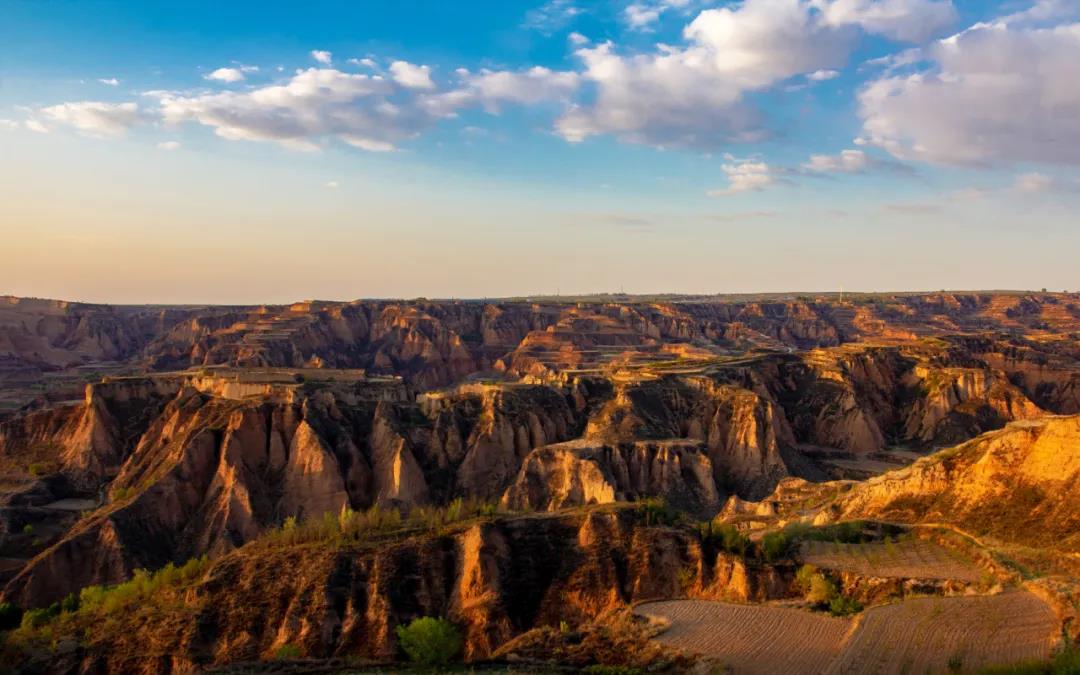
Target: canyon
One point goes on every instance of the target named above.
(583, 439)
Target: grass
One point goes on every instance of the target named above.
(349, 526)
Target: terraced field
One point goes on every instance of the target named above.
(931, 634)
(908, 559)
(752, 638)
(922, 635)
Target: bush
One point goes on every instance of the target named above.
(28, 529)
(775, 545)
(429, 641)
(70, 603)
(287, 652)
(727, 537)
(39, 469)
(36, 618)
(656, 511)
(841, 606)
(10, 616)
(121, 493)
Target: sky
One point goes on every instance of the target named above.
(265, 152)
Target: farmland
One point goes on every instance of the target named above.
(906, 559)
(934, 634)
(930, 634)
(745, 637)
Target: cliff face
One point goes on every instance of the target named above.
(495, 579)
(1017, 484)
(207, 473)
(580, 473)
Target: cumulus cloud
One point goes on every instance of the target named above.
(412, 76)
(111, 81)
(746, 176)
(93, 118)
(526, 87)
(366, 62)
(225, 75)
(823, 75)
(997, 93)
(169, 145)
(323, 57)
(366, 111)
(902, 20)
(694, 95)
(848, 161)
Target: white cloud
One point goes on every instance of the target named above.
(169, 145)
(642, 14)
(745, 176)
(823, 75)
(694, 95)
(527, 87)
(412, 76)
(332, 184)
(93, 118)
(551, 16)
(1042, 11)
(366, 62)
(35, 125)
(8, 125)
(225, 75)
(314, 104)
(848, 161)
(994, 94)
(904, 20)
(323, 57)
(111, 81)
(577, 39)
(231, 74)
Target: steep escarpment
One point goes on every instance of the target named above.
(495, 578)
(581, 472)
(1017, 484)
(209, 473)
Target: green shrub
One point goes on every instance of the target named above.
(70, 603)
(28, 529)
(36, 618)
(726, 536)
(655, 511)
(287, 652)
(841, 606)
(39, 469)
(121, 493)
(775, 545)
(429, 641)
(10, 616)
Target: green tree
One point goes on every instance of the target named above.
(430, 641)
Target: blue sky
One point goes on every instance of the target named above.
(369, 149)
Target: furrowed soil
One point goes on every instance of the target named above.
(936, 634)
(908, 559)
(914, 636)
(751, 638)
